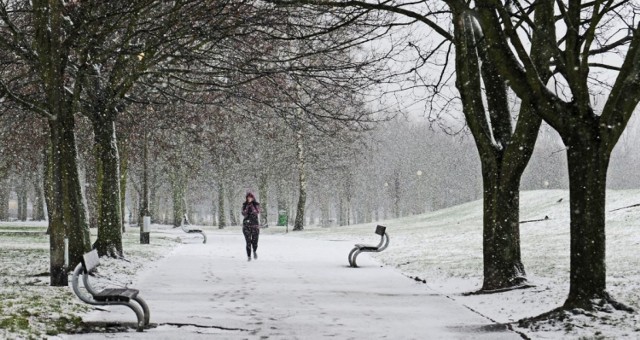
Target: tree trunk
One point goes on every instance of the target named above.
(4, 199)
(74, 210)
(109, 241)
(22, 195)
(503, 267)
(342, 216)
(263, 192)
(53, 55)
(38, 204)
(222, 221)
(154, 199)
(587, 162)
(56, 227)
(396, 195)
(124, 167)
(302, 182)
(144, 200)
(214, 208)
(232, 209)
(504, 152)
(48, 181)
(178, 187)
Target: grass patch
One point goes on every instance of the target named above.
(29, 307)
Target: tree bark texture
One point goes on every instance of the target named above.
(124, 167)
(233, 209)
(302, 182)
(74, 209)
(109, 241)
(589, 137)
(69, 210)
(4, 199)
(263, 192)
(178, 188)
(23, 198)
(39, 202)
(56, 228)
(588, 161)
(504, 153)
(222, 221)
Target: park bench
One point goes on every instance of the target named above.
(365, 248)
(190, 229)
(107, 296)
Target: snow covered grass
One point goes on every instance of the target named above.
(445, 249)
(29, 307)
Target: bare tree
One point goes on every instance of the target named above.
(504, 149)
(589, 131)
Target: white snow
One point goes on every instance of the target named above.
(301, 286)
(298, 289)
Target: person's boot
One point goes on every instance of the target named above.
(255, 255)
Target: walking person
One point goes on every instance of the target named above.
(251, 224)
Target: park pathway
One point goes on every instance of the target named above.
(298, 289)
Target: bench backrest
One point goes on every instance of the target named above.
(380, 230)
(90, 261)
(185, 220)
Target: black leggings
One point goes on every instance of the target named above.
(251, 235)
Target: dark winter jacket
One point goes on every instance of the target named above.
(250, 212)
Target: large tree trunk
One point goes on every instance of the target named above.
(504, 152)
(56, 227)
(503, 267)
(53, 56)
(109, 241)
(74, 210)
(302, 182)
(588, 162)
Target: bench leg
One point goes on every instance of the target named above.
(145, 309)
(204, 236)
(138, 312)
(352, 257)
(355, 255)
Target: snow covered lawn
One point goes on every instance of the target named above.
(29, 307)
(232, 299)
(445, 249)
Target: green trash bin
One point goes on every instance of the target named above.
(283, 218)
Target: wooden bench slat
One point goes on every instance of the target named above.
(116, 294)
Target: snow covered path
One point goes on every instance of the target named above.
(298, 289)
